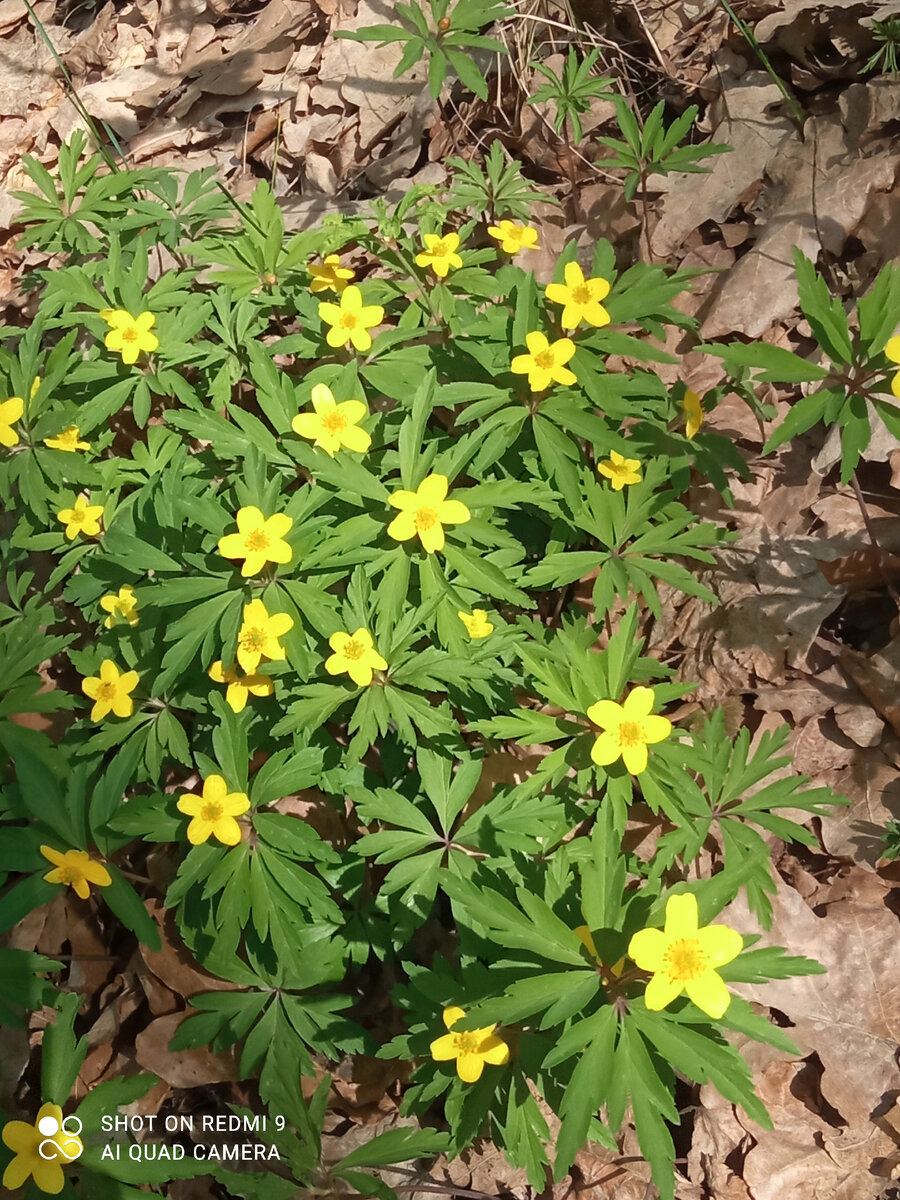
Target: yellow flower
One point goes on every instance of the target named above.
(620, 470)
(11, 410)
(692, 408)
(240, 688)
(584, 935)
(581, 298)
(425, 512)
(440, 253)
(259, 634)
(333, 425)
(513, 238)
(111, 691)
(356, 655)
(124, 605)
(891, 350)
(213, 814)
(476, 623)
(351, 320)
(40, 1150)
(69, 440)
(545, 362)
(259, 540)
(471, 1050)
(330, 276)
(129, 335)
(83, 518)
(76, 869)
(684, 958)
(629, 729)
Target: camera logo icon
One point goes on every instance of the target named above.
(53, 1146)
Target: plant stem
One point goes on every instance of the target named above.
(747, 33)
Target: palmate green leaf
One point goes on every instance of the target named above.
(394, 1146)
(879, 310)
(586, 1090)
(61, 1052)
(510, 926)
(124, 901)
(774, 363)
(768, 962)
(702, 1055)
(649, 1083)
(21, 985)
(285, 773)
(825, 313)
(483, 575)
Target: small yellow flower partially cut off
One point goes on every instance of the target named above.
(76, 869)
(123, 605)
(628, 730)
(240, 688)
(40, 1151)
(440, 253)
(684, 958)
(259, 634)
(69, 440)
(471, 1049)
(355, 655)
(692, 407)
(332, 425)
(476, 623)
(259, 540)
(351, 320)
(584, 935)
(11, 410)
(513, 238)
(425, 512)
(82, 518)
(329, 276)
(619, 470)
(111, 691)
(213, 814)
(128, 335)
(580, 297)
(892, 351)
(545, 362)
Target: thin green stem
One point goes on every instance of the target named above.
(747, 32)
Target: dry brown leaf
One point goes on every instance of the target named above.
(850, 1016)
(174, 964)
(363, 75)
(181, 1068)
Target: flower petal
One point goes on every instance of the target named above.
(709, 993)
(647, 948)
(639, 702)
(720, 943)
(661, 991)
(635, 758)
(606, 714)
(682, 915)
(469, 1067)
(606, 749)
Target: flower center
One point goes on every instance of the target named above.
(354, 650)
(253, 639)
(544, 360)
(130, 334)
(439, 251)
(631, 733)
(257, 540)
(349, 320)
(685, 960)
(106, 691)
(79, 516)
(211, 812)
(426, 518)
(69, 874)
(334, 422)
(582, 294)
(467, 1043)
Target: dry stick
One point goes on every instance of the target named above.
(876, 546)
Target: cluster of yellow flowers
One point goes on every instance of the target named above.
(683, 957)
